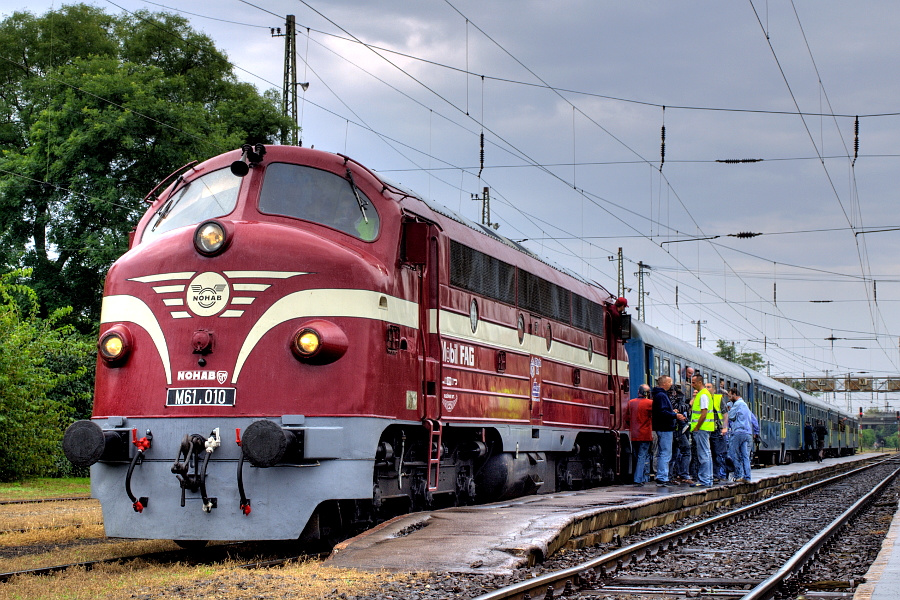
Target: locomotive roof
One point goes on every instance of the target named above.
(448, 213)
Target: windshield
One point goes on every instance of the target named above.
(318, 196)
(212, 195)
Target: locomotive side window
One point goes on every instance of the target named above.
(206, 197)
(318, 196)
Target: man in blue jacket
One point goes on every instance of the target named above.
(740, 428)
(664, 423)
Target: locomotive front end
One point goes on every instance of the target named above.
(233, 394)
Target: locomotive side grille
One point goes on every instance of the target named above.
(482, 274)
(544, 298)
(587, 315)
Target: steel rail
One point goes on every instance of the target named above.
(164, 555)
(182, 555)
(768, 588)
(613, 561)
(40, 500)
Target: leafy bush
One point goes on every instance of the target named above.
(43, 369)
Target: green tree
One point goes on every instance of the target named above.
(42, 366)
(94, 111)
(867, 438)
(751, 360)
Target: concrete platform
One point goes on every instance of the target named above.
(883, 577)
(497, 538)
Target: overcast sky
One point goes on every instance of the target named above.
(569, 95)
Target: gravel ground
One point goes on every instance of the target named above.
(726, 553)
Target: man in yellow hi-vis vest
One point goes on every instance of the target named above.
(717, 445)
(702, 424)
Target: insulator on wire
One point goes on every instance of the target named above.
(737, 161)
(744, 235)
(662, 148)
(856, 140)
(482, 156)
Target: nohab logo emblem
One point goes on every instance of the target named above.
(208, 294)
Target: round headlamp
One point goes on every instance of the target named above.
(319, 342)
(210, 238)
(307, 342)
(115, 344)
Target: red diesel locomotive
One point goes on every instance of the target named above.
(294, 347)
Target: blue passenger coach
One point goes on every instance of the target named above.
(781, 410)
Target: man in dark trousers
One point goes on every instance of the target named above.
(809, 440)
(639, 420)
(821, 432)
(664, 423)
(679, 467)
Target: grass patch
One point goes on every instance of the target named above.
(143, 581)
(45, 487)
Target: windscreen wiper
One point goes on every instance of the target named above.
(362, 203)
(170, 203)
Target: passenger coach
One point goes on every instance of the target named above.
(781, 410)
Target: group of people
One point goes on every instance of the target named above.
(818, 434)
(700, 439)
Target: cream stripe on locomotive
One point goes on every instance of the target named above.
(364, 304)
(507, 338)
(128, 309)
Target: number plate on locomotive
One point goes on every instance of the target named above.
(200, 397)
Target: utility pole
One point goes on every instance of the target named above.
(620, 280)
(699, 325)
(289, 90)
(486, 208)
(640, 275)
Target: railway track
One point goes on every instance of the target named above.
(753, 552)
(208, 555)
(42, 500)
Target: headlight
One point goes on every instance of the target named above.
(210, 238)
(115, 345)
(308, 342)
(319, 342)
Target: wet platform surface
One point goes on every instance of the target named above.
(499, 537)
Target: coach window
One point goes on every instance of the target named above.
(656, 371)
(666, 366)
(318, 196)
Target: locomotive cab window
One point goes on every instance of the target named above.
(208, 196)
(318, 196)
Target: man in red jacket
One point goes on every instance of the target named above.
(639, 420)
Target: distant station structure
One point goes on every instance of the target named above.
(879, 419)
(847, 383)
